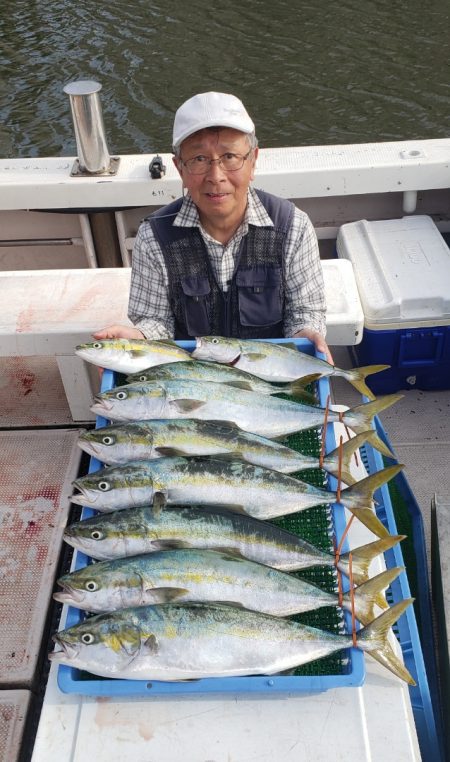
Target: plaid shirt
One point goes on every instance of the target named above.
(149, 307)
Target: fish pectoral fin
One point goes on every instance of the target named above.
(186, 405)
(170, 452)
(171, 544)
(136, 353)
(234, 508)
(151, 644)
(255, 356)
(230, 552)
(167, 594)
(159, 502)
(232, 455)
(240, 385)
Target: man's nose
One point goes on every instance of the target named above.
(215, 169)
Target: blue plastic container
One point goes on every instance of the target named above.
(419, 357)
(71, 680)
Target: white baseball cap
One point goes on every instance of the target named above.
(210, 110)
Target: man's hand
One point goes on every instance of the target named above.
(119, 332)
(318, 340)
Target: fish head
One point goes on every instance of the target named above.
(217, 349)
(105, 536)
(118, 443)
(123, 355)
(104, 644)
(131, 402)
(115, 487)
(103, 586)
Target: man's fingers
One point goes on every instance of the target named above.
(118, 332)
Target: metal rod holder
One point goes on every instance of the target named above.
(92, 148)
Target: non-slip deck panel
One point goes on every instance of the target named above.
(35, 488)
(13, 711)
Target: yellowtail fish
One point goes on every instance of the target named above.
(141, 530)
(257, 491)
(267, 416)
(147, 440)
(190, 641)
(223, 374)
(277, 363)
(201, 576)
(131, 355)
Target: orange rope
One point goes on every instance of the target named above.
(324, 431)
(344, 535)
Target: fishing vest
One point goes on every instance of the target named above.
(253, 306)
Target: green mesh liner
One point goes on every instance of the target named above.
(404, 526)
(315, 526)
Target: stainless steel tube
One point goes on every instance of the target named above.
(93, 154)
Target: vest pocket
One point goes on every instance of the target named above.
(196, 308)
(260, 296)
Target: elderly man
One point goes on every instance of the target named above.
(225, 259)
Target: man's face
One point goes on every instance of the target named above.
(218, 195)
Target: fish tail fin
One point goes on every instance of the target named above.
(358, 498)
(373, 639)
(370, 594)
(357, 376)
(331, 461)
(363, 556)
(360, 418)
(298, 389)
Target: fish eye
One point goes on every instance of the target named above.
(214, 341)
(96, 534)
(108, 440)
(91, 585)
(104, 486)
(87, 638)
(121, 395)
(143, 378)
(97, 345)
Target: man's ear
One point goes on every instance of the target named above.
(178, 164)
(255, 156)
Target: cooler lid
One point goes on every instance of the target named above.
(402, 270)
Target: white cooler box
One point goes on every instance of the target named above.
(402, 270)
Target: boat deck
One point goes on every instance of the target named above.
(418, 427)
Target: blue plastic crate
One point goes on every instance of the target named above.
(72, 680)
(406, 628)
(418, 358)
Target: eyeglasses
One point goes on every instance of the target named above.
(230, 162)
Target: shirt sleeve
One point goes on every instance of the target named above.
(148, 305)
(305, 305)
